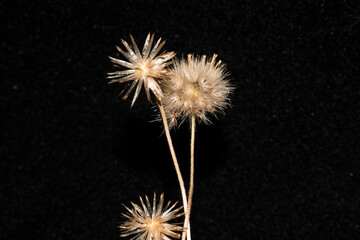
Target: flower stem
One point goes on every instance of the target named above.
(191, 188)
(171, 147)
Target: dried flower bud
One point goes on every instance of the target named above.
(152, 222)
(197, 86)
(144, 67)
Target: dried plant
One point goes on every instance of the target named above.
(152, 222)
(197, 86)
(145, 68)
(192, 89)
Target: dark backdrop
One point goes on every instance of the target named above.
(283, 163)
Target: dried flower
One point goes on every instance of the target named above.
(197, 86)
(143, 68)
(151, 223)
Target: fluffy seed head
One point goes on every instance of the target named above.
(151, 222)
(197, 86)
(144, 68)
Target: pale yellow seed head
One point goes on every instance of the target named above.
(142, 68)
(197, 86)
(152, 222)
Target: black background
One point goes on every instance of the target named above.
(283, 163)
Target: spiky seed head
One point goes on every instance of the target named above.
(152, 222)
(143, 68)
(197, 86)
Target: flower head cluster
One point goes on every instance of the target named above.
(197, 86)
(151, 222)
(144, 68)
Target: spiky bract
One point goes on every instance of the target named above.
(144, 68)
(197, 86)
(151, 222)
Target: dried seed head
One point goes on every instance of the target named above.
(197, 86)
(144, 68)
(151, 222)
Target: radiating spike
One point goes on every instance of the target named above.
(148, 48)
(178, 209)
(204, 58)
(166, 216)
(154, 206)
(130, 89)
(171, 233)
(125, 234)
(179, 215)
(167, 64)
(156, 49)
(124, 72)
(121, 62)
(138, 209)
(155, 88)
(131, 229)
(144, 207)
(127, 216)
(189, 58)
(164, 57)
(156, 44)
(136, 49)
(174, 226)
(139, 236)
(147, 90)
(213, 59)
(122, 91)
(146, 44)
(218, 63)
(130, 211)
(169, 209)
(125, 54)
(123, 79)
(160, 205)
(137, 91)
(130, 51)
(121, 76)
(148, 203)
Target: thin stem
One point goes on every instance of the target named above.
(171, 147)
(191, 188)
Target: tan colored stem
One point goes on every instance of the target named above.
(191, 188)
(171, 147)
